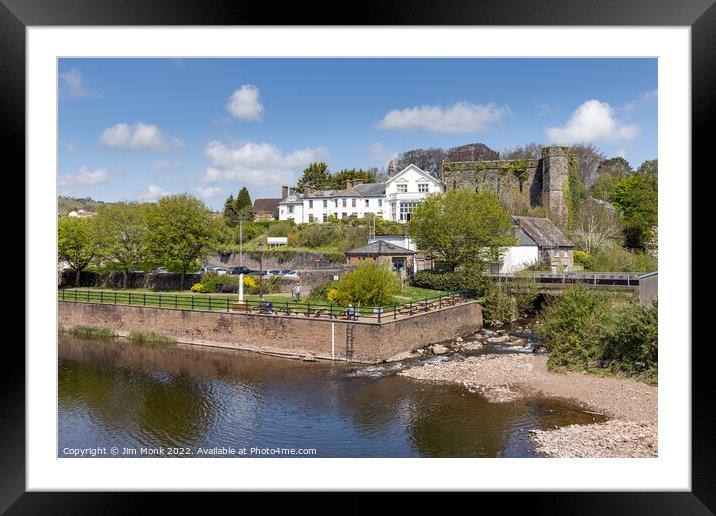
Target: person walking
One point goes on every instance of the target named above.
(297, 293)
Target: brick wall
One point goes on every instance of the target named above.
(284, 334)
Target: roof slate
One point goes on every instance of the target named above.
(380, 248)
(542, 231)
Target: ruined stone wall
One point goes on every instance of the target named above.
(283, 334)
(519, 183)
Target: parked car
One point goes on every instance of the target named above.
(219, 270)
(273, 272)
(289, 274)
(241, 270)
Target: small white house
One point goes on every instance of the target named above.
(407, 188)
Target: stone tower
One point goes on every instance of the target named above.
(555, 181)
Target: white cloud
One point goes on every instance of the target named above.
(68, 146)
(209, 192)
(593, 121)
(245, 103)
(256, 164)
(164, 165)
(85, 176)
(153, 193)
(73, 85)
(643, 98)
(138, 136)
(462, 117)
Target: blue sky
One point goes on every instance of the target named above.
(137, 129)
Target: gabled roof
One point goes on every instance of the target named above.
(266, 204)
(420, 171)
(293, 198)
(380, 248)
(523, 239)
(542, 231)
(371, 189)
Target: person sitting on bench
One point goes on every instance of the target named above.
(351, 312)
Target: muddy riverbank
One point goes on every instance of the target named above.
(502, 377)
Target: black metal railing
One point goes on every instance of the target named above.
(266, 306)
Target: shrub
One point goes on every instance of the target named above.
(369, 285)
(197, 287)
(583, 258)
(438, 280)
(93, 332)
(150, 336)
(621, 260)
(321, 292)
(585, 329)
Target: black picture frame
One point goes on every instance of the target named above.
(17, 15)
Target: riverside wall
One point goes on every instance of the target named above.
(296, 335)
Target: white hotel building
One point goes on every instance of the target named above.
(393, 199)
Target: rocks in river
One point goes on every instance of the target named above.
(419, 351)
(438, 349)
(527, 366)
(472, 346)
(499, 340)
(459, 339)
(400, 356)
(519, 342)
(309, 357)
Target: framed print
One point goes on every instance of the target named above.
(419, 252)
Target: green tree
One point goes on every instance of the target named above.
(609, 173)
(181, 231)
(339, 179)
(317, 176)
(243, 200)
(462, 227)
(122, 232)
(231, 215)
(649, 168)
(636, 197)
(77, 243)
(370, 284)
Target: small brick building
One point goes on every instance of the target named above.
(381, 251)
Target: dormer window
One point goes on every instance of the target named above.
(402, 188)
(423, 187)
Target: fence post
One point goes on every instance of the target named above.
(130, 298)
(410, 310)
(101, 296)
(144, 300)
(192, 302)
(115, 297)
(331, 310)
(380, 310)
(440, 301)
(395, 312)
(63, 294)
(176, 300)
(209, 302)
(160, 300)
(308, 308)
(227, 304)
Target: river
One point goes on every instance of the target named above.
(190, 400)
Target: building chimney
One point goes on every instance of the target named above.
(357, 182)
(307, 190)
(391, 168)
(349, 184)
(284, 192)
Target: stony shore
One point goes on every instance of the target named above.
(631, 405)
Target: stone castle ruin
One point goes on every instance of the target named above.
(519, 183)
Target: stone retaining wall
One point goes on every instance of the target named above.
(298, 335)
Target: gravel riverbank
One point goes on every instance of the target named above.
(632, 405)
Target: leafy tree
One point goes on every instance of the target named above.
(609, 173)
(181, 230)
(123, 236)
(636, 197)
(649, 168)
(462, 227)
(77, 243)
(317, 176)
(472, 152)
(430, 160)
(370, 284)
(338, 180)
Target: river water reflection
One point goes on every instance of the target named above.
(122, 394)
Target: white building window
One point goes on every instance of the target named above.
(325, 216)
(367, 203)
(345, 202)
(380, 203)
(353, 203)
(325, 203)
(423, 187)
(290, 209)
(402, 188)
(406, 208)
(310, 204)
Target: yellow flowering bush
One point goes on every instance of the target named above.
(197, 287)
(332, 295)
(249, 281)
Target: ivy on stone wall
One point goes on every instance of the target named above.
(572, 189)
(517, 167)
